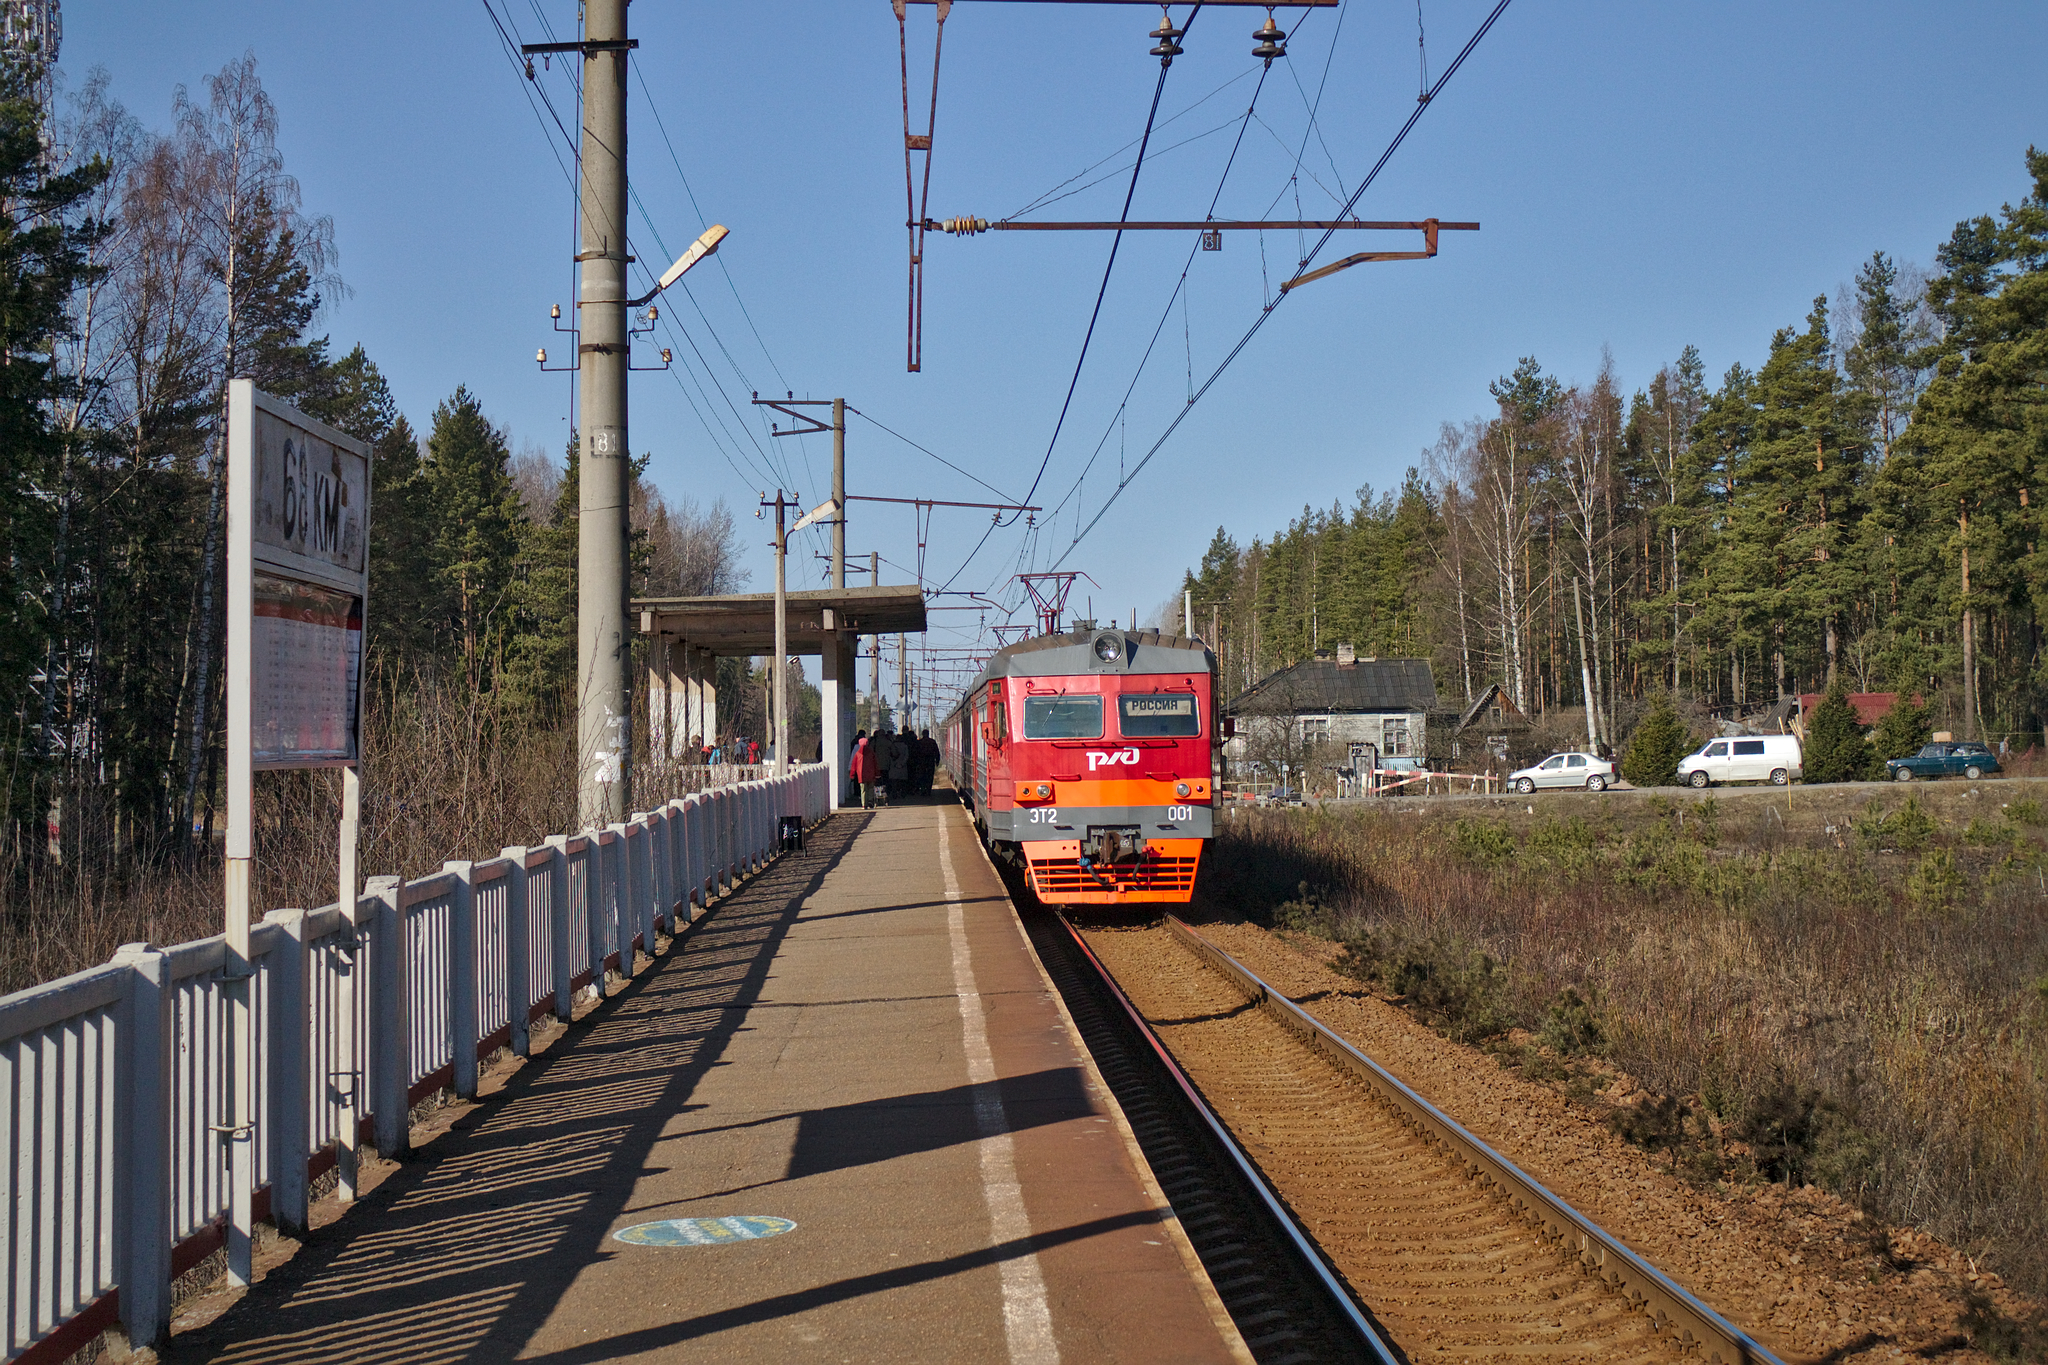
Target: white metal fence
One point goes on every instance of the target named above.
(113, 1140)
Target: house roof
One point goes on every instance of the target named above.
(1494, 694)
(1868, 706)
(1326, 685)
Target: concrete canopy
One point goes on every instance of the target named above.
(741, 625)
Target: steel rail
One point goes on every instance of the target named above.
(1602, 1254)
(1305, 1248)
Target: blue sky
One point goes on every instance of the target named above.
(1647, 176)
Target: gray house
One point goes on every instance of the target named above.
(1332, 710)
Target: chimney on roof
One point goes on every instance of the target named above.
(1346, 656)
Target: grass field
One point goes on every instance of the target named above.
(1839, 986)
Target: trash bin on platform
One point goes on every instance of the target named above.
(792, 831)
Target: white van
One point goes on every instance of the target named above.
(1742, 758)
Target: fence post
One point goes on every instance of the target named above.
(693, 856)
(639, 915)
(558, 924)
(660, 855)
(390, 1018)
(291, 1064)
(625, 894)
(462, 973)
(142, 1137)
(596, 897)
(729, 838)
(518, 953)
(678, 898)
(714, 845)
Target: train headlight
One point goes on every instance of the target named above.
(1180, 789)
(1108, 648)
(1044, 790)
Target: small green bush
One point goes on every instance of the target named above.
(1935, 882)
(1784, 1126)
(1572, 1026)
(1984, 834)
(1659, 741)
(1906, 829)
(1309, 912)
(2025, 811)
(1487, 842)
(1461, 992)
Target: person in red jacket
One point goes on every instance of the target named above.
(864, 769)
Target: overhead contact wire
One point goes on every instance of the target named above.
(1158, 89)
(1266, 312)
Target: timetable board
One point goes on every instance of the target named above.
(298, 584)
(305, 673)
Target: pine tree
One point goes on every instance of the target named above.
(40, 263)
(406, 609)
(1659, 741)
(1980, 432)
(1900, 731)
(1835, 750)
(540, 654)
(1793, 506)
(475, 527)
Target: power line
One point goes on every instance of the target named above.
(933, 453)
(1158, 89)
(1266, 311)
(1049, 196)
(1167, 312)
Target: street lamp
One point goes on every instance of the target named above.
(699, 249)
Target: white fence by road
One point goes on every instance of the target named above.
(113, 1144)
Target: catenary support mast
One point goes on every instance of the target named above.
(604, 707)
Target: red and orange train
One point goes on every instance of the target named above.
(1089, 757)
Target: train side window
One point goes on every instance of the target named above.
(1158, 715)
(998, 722)
(1063, 717)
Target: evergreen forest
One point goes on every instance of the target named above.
(1860, 505)
(139, 272)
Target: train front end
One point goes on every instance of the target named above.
(1098, 763)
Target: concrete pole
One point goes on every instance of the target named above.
(657, 701)
(835, 683)
(604, 706)
(875, 670)
(778, 666)
(902, 686)
(839, 494)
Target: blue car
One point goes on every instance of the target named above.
(1966, 759)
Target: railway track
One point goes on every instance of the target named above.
(1287, 1302)
(1404, 1236)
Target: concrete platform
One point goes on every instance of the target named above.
(858, 1041)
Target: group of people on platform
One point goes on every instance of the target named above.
(738, 749)
(893, 766)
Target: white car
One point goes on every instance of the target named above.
(1774, 759)
(1564, 770)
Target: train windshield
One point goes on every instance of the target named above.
(1159, 716)
(1063, 718)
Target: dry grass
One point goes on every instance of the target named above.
(443, 777)
(1841, 987)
